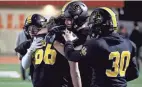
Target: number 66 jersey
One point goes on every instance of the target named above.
(51, 69)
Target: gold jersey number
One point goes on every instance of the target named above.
(49, 57)
(118, 63)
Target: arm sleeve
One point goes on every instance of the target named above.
(75, 55)
(26, 60)
(132, 71)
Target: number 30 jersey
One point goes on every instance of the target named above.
(51, 69)
(111, 59)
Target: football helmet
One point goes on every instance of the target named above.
(75, 12)
(102, 21)
(34, 23)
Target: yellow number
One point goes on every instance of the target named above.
(38, 56)
(49, 57)
(118, 63)
(114, 73)
(125, 54)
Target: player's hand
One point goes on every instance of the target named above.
(69, 35)
(37, 43)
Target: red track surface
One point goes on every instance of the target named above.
(9, 60)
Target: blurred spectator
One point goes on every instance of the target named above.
(123, 31)
(135, 35)
(22, 37)
(136, 38)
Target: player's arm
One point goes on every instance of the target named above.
(75, 74)
(26, 60)
(71, 53)
(74, 69)
(132, 71)
(77, 55)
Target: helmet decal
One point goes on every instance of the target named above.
(29, 19)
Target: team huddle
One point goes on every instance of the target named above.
(77, 50)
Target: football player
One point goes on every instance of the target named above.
(52, 59)
(25, 38)
(111, 57)
(30, 30)
(74, 18)
(50, 67)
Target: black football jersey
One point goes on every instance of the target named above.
(51, 69)
(111, 59)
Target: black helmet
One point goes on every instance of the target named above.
(35, 19)
(34, 23)
(102, 21)
(77, 11)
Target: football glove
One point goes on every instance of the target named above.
(69, 36)
(37, 43)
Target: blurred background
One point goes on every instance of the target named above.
(14, 13)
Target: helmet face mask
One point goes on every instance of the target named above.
(33, 30)
(102, 21)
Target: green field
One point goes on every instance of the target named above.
(17, 82)
(12, 82)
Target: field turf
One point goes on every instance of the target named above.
(18, 82)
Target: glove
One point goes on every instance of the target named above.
(57, 29)
(69, 36)
(56, 25)
(37, 43)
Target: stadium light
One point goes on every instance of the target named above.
(49, 10)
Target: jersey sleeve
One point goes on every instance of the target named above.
(22, 48)
(76, 55)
